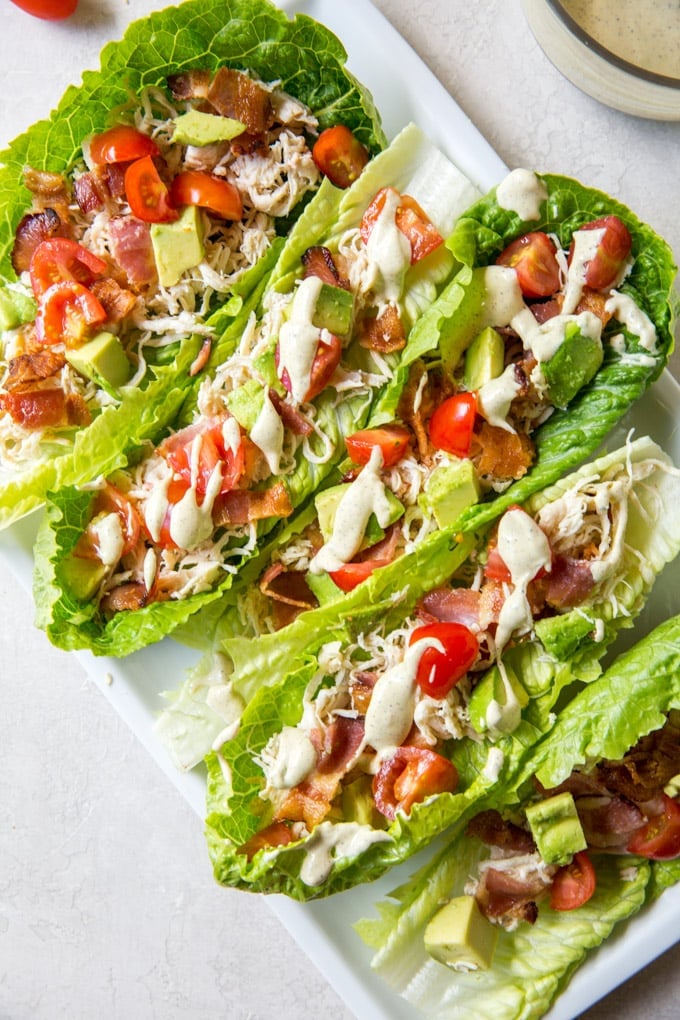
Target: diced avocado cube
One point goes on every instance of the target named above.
(484, 359)
(556, 828)
(15, 308)
(489, 690)
(198, 128)
(102, 359)
(334, 310)
(358, 804)
(573, 364)
(82, 576)
(327, 503)
(245, 403)
(460, 936)
(449, 490)
(177, 246)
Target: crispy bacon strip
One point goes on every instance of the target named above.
(494, 830)
(49, 191)
(34, 366)
(318, 261)
(130, 243)
(234, 94)
(276, 834)
(45, 408)
(33, 229)
(130, 596)
(451, 605)
(241, 506)
(117, 301)
(290, 416)
(193, 84)
(287, 586)
(384, 333)
(499, 454)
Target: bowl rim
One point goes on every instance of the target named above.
(591, 43)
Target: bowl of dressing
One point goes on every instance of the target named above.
(624, 53)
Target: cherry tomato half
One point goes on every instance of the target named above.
(121, 144)
(48, 10)
(326, 360)
(339, 155)
(66, 311)
(439, 671)
(659, 839)
(350, 575)
(59, 259)
(194, 187)
(612, 252)
(574, 883)
(178, 450)
(146, 193)
(410, 776)
(393, 441)
(410, 219)
(110, 500)
(533, 257)
(452, 424)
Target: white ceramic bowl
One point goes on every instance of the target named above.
(624, 53)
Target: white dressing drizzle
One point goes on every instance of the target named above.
(525, 550)
(288, 757)
(347, 839)
(389, 716)
(365, 496)
(110, 542)
(388, 250)
(586, 243)
(495, 397)
(191, 524)
(156, 505)
(627, 312)
(149, 569)
(268, 434)
(299, 338)
(522, 192)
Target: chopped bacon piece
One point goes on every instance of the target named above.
(32, 367)
(241, 506)
(130, 596)
(608, 821)
(545, 310)
(362, 691)
(451, 605)
(276, 834)
(292, 419)
(490, 603)
(595, 301)
(644, 771)
(494, 830)
(89, 192)
(501, 455)
(193, 84)
(287, 586)
(130, 242)
(116, 300)
(33, 229)
(342, 740)
(45, 408)
(49, 191)
(310, 801)
(318, 261)
(568, 584)
(234, 94)
(384, 333)
(249, 145)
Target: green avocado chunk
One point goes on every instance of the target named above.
(327, 503)
(198, 128)
(556, 828)
(82, 576)
(177, 246)
(484, 359)
(450, 489)
(333, 310)
(573, 364)
(102, 359)
(358, 804)
(15, 308)
(460, 936)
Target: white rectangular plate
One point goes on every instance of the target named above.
(404, 90)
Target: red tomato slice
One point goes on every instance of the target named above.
(326, 360)
(452, 424)
(659, 839)
(111, 500)
(352, 574)
(495, 569)
(573, 884)
(194, 187)
(393, 441)
(533, 257)
(612, 252)
(411, 220)
(59, 259)
(178, 451)
(146, 193)
(339, 155)
(410, 776)
(49, 10)
(439, 671)
(66, 312)
(121, 144)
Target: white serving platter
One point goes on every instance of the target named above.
(404, 90)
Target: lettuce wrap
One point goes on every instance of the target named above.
(541, 381)
(123, 562)
(149, 205)
(394, 726)
(613, 750)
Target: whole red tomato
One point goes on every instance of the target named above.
(49, 10)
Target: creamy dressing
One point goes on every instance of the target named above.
(299, 338)
(502, 296)
(389, 716)
(156, 505)
(586, 243)
(231, 434)
(633, 318)
(110, 542)
(525, 550)
(495, 397)
(505, 717)
(149, 569)
(365, 496)
(388, 249)
(347, 839)
(522, 192)
(268, 434)
(494, 764)
(643, 32)
(546, 338)
(288, 758)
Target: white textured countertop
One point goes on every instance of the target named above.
(107, 903)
